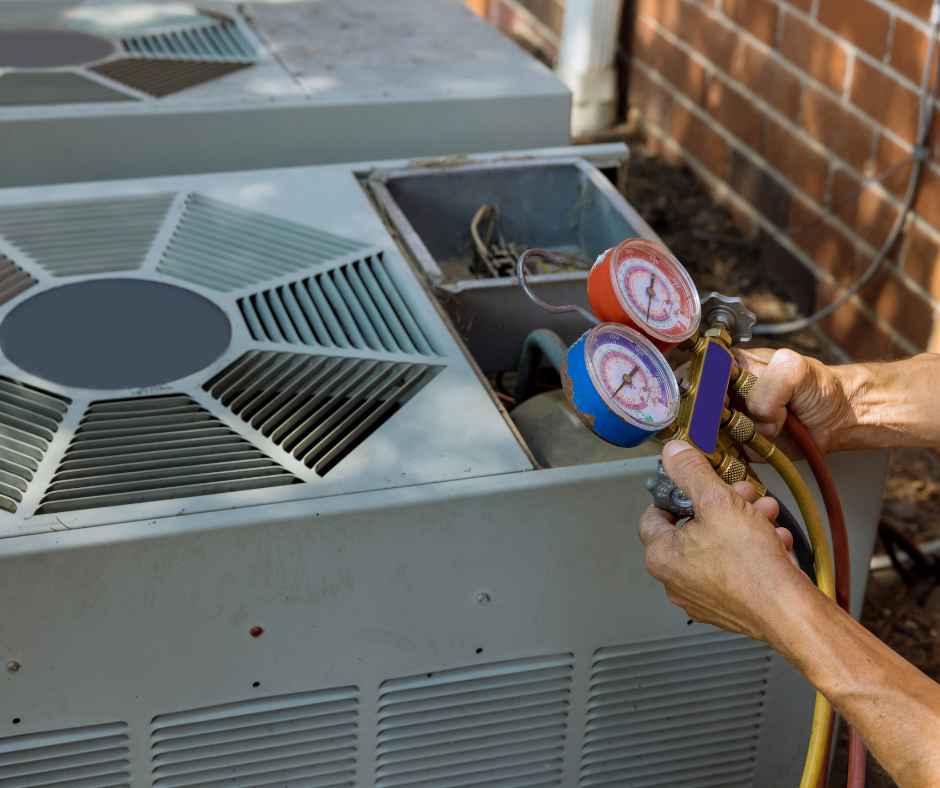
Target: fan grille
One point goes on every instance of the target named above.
(151, 449)
(355, 305)
(86, 236)
(29, 420)
(316, 408)
(224, 247)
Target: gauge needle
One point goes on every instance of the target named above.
(650, 291)
(627, 379)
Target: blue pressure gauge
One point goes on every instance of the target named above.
(620, 385)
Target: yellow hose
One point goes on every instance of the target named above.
(817, 752)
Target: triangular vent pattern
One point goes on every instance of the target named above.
(86, 236)
(316, 408)
(95, 756)
(151, 449)
(29, 420)
(355, 305)
(498, 724)
(159, 78)
(224, 247)
(682, 712)
(307, 739)
(221, 40)
(13, 280)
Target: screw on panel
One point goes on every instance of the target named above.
(13, 666)
(483, 598)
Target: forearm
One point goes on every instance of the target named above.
(894, 706)
(891, 405)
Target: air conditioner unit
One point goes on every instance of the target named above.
(101, 89)
(265, 522)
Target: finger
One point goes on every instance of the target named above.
(769, 507)
(776, 386)
(753, 359)
(691, 471)
(746, 490)
(654, 523)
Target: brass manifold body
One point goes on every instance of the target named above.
(737, 432)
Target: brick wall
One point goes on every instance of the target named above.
(802, 114)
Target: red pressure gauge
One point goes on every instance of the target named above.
(641, 284)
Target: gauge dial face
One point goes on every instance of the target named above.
(656, 291)
(632, 376)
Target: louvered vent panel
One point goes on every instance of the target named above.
(223, 247)
(315, 407)
(306, 740)
(86, 236)
(13, 280)
(29, 419)
(90, 757)
(159, 78)
(355, 305)
(219, 41)
(500, 725)
(680, 712)
(151, 449)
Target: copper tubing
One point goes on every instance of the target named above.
(840, 548)
(830, 495)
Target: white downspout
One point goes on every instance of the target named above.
(586, 62)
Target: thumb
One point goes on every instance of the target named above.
(691, 471)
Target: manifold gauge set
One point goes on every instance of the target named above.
(616, 377)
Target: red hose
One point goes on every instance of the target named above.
(840, 548)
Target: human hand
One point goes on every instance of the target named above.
(729, 566)
(814, 392)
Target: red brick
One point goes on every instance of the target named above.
(803, 5)
(794, 159)
(859, 22)
(920, 259)
(767, 78)
(855, 332)
(669, 61)
(907, 312)
(735, 111)
(717, 42)
(817, 54)
(758, 17)
(701, 141)
(862, 207)
(653, 101)
(667, 12)
(829, 248)
(840, 130)
(760, 189)
(920, 8)
(927, 204)
(884, 99)
(891, 165)
(908, 50)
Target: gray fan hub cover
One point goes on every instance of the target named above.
(115, 334)
(40, 48)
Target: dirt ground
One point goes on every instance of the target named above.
(704, 236)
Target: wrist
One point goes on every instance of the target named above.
(797, 604)
(889, 405)
(853, 385)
